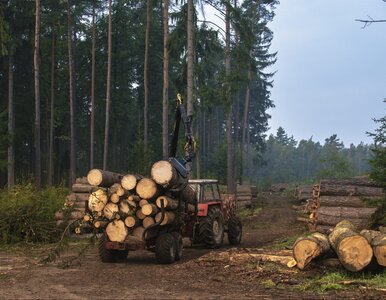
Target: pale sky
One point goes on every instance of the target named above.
(331, 73)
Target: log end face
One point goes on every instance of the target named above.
(94, 177)
(129, 182)
(162, 172)
(116, 231)
(146, 188)
(355, 253)
(304, 251)
(380, 255)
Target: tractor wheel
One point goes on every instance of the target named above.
(165, 249)
(211, 228)
(179, 244)
(235, 230)
(110, 256)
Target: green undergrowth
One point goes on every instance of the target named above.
(248, 212)
(344, 280)
(27, 215)
(286, 243)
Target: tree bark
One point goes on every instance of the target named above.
(353, 250)
(190, 56)
(377, 240)
(52, 114)
(108, 85)
(92, 116)
(350, 190)
(145, 75)
(308, 248)
(11, 123)
(361, 181)
(71, 71)
(165, 89)
(343, 201)
(37, 97)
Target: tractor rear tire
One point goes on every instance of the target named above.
(235, 231)
(110, 256)
(165, 249)
(179, 245)
(211, 228)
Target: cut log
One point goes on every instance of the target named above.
(87, 218)
(114, 198)
(353, 250)
(149, 209)
(164, 174)
(134, 198)
(347, 212)
(131, 221)
(147, 188)
(350, 190)
(138, 232)
(82, 180)
(116, 188)
(360, 181)
(110, 210)
(100, 224)
(82, 188)
(346, 201)
(324, 229)
(148, 221)
(124, 207)
(129, 181)
(188, 194)
(73, 215)
(143, 202)
(377, 240)
(103, 178)
(168, 202)
(132, 204)
(97, 200)
(77, 197)
(327, 220)
(168, 219)
(140, 215)
(307, 248)
(116, 231)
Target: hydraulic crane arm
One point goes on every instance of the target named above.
(190, 144)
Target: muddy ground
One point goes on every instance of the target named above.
(198, 275)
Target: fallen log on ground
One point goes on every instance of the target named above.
(308, 248)
(353, 250)
(377, 240)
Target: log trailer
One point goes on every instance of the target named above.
(199, 212)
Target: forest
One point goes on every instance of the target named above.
(92, 84)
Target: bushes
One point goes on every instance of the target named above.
(27, 215)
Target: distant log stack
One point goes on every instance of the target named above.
(334, 200)
(245, 196)
(75, 202)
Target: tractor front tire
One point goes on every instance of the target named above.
(211, 228)
(235, 231)
(165, 249)
(110, 256)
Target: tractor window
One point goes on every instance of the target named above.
(209, 193)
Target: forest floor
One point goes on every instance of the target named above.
(201, 273)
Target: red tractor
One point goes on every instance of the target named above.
(204, 220)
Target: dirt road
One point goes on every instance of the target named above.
(22, 277)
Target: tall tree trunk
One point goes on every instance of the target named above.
(37, 98)
(145, 76)
(236, 162)
(72, 95)
(107, 121)
(190, 55)
(52, 102)
(230, 153)
(165, 91)
(11, 123)
(92, 117)
(245, 114)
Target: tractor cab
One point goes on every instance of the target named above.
(207, 190)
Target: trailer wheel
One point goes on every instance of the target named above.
(211, 228)
(179, 245)
(107, 255)
(235, 230)
(165, 249)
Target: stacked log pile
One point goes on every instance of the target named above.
(354, 250)
(128, 205)
(245, 195)
(303, 192)
(75, 202)
(353, 199)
